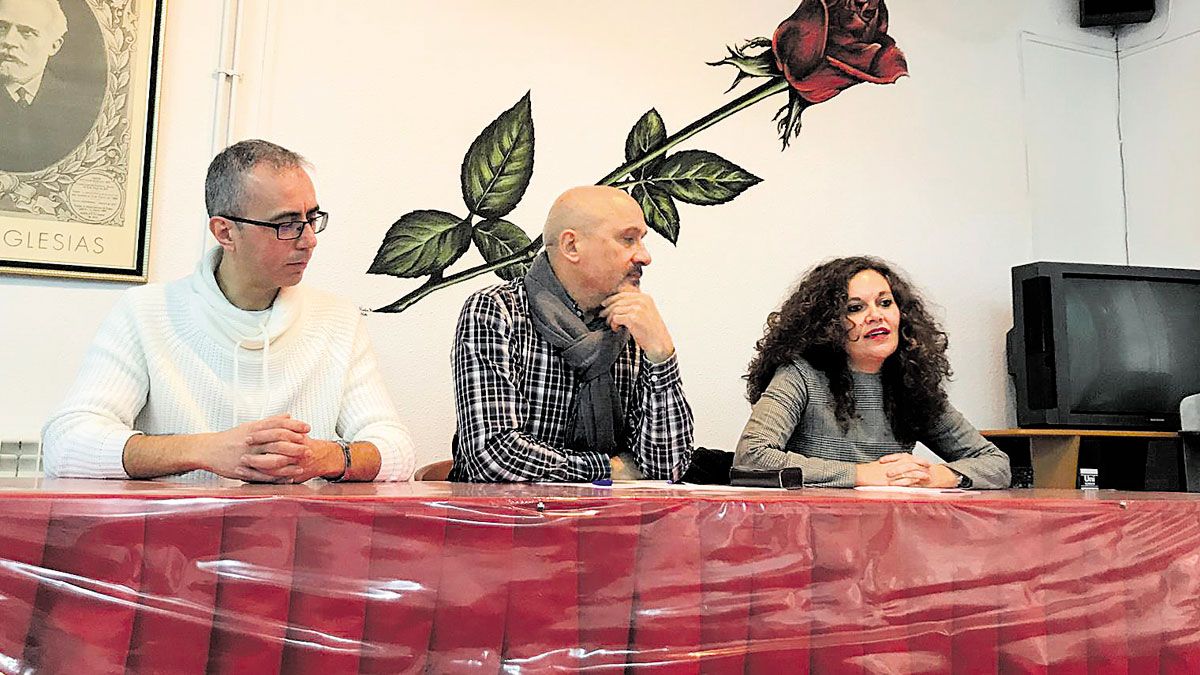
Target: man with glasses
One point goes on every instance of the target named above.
(237, 370)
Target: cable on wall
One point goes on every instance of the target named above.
(1153, 43)
(1121, 145)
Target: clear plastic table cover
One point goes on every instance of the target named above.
(150, 577)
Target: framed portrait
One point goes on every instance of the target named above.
(78, 102)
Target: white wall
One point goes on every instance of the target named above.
(956, 173)
(1160, 96)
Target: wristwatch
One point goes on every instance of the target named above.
(346, 467)
(963, 481)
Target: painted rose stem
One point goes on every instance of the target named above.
(529, 252)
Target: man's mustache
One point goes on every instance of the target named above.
(11, 56)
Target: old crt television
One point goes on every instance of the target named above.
(1103, 346)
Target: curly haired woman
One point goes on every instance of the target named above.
(848, 376)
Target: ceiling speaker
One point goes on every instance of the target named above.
(1114, 12)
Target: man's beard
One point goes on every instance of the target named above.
(10, 69)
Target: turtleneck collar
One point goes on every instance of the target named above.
(248, 330)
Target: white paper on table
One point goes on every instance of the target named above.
(915, 490)
(656, 485)
(664, 485)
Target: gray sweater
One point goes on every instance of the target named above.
(794, 424)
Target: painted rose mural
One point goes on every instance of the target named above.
(821, 49)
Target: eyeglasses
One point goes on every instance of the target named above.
(292, 229)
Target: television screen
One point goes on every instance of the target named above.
(1134, 344)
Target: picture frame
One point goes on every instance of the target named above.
(77, 155)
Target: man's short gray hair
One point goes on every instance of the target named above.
(223, 186)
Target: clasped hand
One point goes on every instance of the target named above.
(905, 469)
(636, 311)
(272, 450)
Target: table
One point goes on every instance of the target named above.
(132, 577)
(1054, 453)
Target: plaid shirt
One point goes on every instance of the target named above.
(516, 401)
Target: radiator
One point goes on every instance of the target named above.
(20, 458)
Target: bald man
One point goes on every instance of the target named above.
(569, 373)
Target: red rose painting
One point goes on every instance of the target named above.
(826, 46)
(823, 48)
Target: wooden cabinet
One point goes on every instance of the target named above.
(1054, 455)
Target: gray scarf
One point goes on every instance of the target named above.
(590, 349)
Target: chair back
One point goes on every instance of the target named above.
(436, 471)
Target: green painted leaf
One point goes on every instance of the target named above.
(703, 178)
(422, 243)
(496, 239)
(497, 167)
(659, 209)
(647, 135)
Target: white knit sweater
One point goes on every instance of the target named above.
(178, 358)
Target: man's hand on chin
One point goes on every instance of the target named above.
(632, 309)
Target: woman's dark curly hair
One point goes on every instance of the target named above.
(811, 325)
